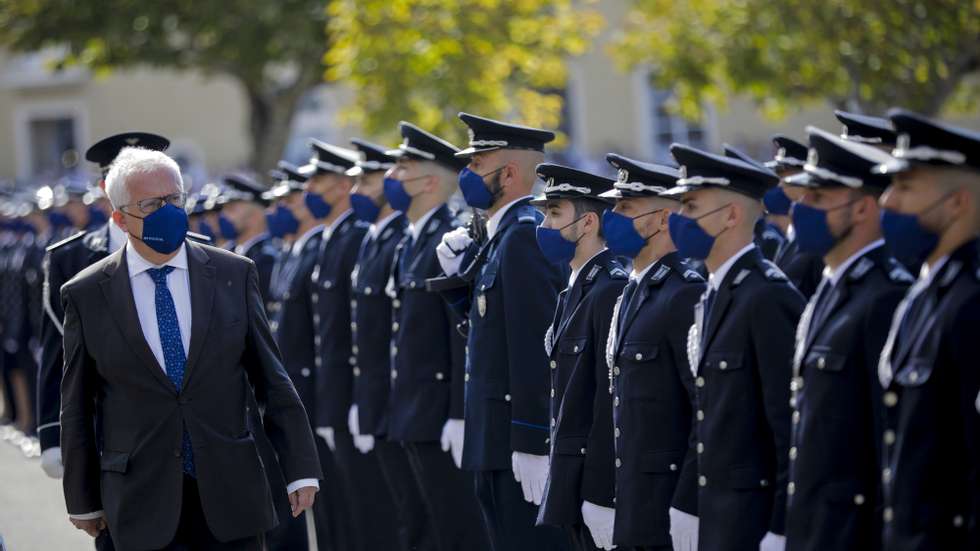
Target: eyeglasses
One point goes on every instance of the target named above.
(153, 204)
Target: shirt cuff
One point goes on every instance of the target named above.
(88, 516)
(302, 483)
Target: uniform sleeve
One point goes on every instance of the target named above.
(457, 355)
(962, 348)
(599, 476)
(532, 285)
(285, 420)
(50, 370)
(81, 482)
(773, 326)
(682, 306)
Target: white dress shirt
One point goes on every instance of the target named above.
(716, 277)
(144, 297)
(494, 220)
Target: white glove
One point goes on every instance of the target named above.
(363, 443)
(452, 440)
(772, 542)
(327, 434)
(600, 521)
(683, 530)
(450, 250)
(51, 463)
(532, 472)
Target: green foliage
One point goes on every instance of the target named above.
(859, 54)
(426, 60)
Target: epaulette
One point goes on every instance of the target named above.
(952, 270)
(199, 237)
(772, 272)
(660, 275)
(66, 241)
(616, 270)
(362, 224)
(691, 272)
(529, 215)
(897, 272)
(591, 275)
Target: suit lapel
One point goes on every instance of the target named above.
(724, 299)
(118, 293)
(201, 274)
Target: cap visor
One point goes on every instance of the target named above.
(470, 151)
(893, 166)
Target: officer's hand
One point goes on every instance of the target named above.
(51, 463)
(301, 500)
(452, 440)
(450, 250)
(532, 472)
(327, 434)
(772, 542)
(683, 530)
(91, 527)
(600, 521)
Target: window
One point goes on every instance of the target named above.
(669, 128)
(53, 148)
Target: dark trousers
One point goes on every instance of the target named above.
(414, 529)
(193, 533)
(509, 519)
(449, 499)
(371, 508)
(581, 538)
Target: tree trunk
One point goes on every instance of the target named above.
(271, 116)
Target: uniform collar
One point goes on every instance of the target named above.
(328, 231)
(380, 225)
(243, 248)
(137, 264)
(575, 273)
(927, 274)
(301, 242)
(494, 222)
(416, 227)
(716, 278)
(835, 275)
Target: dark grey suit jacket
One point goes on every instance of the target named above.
(111, 375)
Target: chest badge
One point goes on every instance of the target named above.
(481, 304)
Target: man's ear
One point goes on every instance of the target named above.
(120, 219)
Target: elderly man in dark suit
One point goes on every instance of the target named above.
(166, 374)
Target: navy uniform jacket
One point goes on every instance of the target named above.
(834, 477)
(371, 331)
(803, 270)
(430, 362)
(292, 318)
(61, 262)
(651, 379)
(264, 252)
(742, 368)
(932, 440)
(335, 359)
(513, 298)
(581, 406)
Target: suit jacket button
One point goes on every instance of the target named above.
(616, 401)
(553, 422)
(575, 348)
(394, 326)
(700, 447)
(914, 376)
(412, 285)
(796, 417)
(552, 393)
(618, 432)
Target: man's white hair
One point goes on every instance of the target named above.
(130, 162)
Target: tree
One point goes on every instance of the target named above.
(426, 60)
(864, 55)
(272, 48)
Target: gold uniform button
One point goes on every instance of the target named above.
(582, 451)
(305, 372)
(699, 382)
(890, 399)
(575, 348)
(396, 303)
(354, 349)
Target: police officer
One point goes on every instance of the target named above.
(513, 297)
(656, 466)
(426, 401)
(363, 495)
(769, 237)
(833, 494)
(245, 202)
(876, 132)
(579, 494)
(371, 310)
(803, 270)
(739, 348)
(927, 367)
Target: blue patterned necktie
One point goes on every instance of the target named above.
(173, 347)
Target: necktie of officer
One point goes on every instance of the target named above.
(626, 306)
(820, 300)
(706, 304)
(173, 347)
(898, 330)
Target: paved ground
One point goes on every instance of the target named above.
(32, 508)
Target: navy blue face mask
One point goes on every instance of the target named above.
(907, 240)
(165, 229)
(621, 235)
(813, 233)
(776, 201)
(397, 196)
(316, 205)
(475, 190)
(227, 229)
(282, 222)
(689, 237)
(364, 207)
(554, 246)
